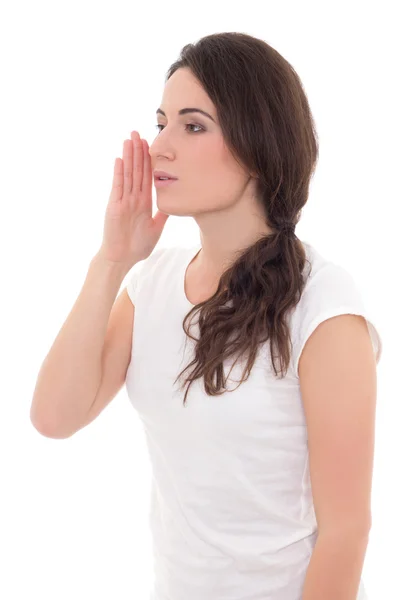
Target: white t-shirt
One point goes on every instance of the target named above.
(231, 515)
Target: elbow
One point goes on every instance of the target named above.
(47, 430)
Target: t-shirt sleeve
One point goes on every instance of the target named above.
(141, 268)
(331, 292)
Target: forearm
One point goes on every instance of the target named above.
(335, 567)
(71, 372)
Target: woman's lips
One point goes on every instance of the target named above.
(164, 182)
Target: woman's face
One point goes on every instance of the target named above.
(191, 147)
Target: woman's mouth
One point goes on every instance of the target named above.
(163, 182)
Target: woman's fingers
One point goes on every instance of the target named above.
(137, 163)
(147, 181)
(127, 158)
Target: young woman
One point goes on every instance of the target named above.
(262, 457)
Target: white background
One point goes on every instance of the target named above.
(77, 78)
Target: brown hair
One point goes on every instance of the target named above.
(268, 126)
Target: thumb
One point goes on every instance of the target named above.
(160, 219)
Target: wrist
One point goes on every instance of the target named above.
(116, 268)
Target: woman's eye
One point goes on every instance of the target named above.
(187, 125)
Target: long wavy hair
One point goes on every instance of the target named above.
(267, 124)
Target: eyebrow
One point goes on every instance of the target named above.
(184, 111)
